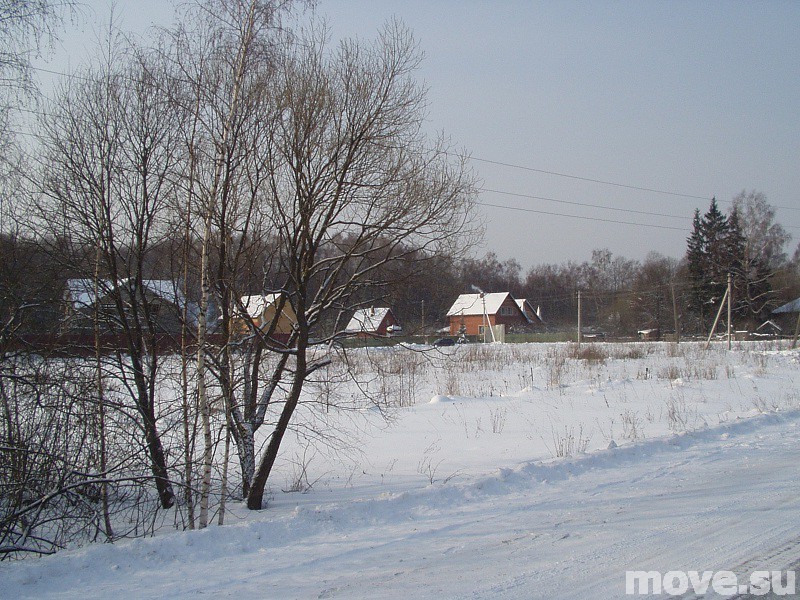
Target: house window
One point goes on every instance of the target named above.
(506, 311)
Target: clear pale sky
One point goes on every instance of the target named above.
(694, 98)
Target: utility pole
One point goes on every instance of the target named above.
(487, 323)
(675, 314)
(725, 297)
(730, 298)
(485, 317)
(424, 335)
(579, 318)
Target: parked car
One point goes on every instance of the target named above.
(446, 341)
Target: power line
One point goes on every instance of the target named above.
(579, 178)
(585, 204)
(584, 218)
(533, 170)
(589, 205)
(598, 181)
(544, 212)
(62, 74)
(528, 196)
(523, 168)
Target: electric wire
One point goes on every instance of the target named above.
(588, 179)
(527, 196)
(582, 217)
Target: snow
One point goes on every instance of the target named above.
(477, 304)
(367, 320)
(254, 306)
(503, 472)
(789, 307)
(81, 292)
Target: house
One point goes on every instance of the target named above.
(789, 307)
(373, 322)
(786, 316)
(768, 329)
(87, 301)
(471, 312)
(260, 311)
(534, 316)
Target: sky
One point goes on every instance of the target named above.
(591, 124)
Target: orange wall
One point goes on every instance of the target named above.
(473, 323)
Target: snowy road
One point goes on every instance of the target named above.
(725, 498)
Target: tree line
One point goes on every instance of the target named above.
(622, 295)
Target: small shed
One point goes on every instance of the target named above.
(652, 334)
(769, 329)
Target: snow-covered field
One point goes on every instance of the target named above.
(516, 471)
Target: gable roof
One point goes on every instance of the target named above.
(166, 290)
(527, 310)
(254, 306)
(789, 307)
(82, 293)
(367, 320)
(769, 325)
(473, 304)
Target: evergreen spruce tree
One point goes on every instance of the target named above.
(716, 247)
(735, 259)
(709, 262)
(695, 258)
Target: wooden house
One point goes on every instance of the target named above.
(534, 316)
(373, 322)
(88, 302)
(786, 316)
(261, 311)
(470, 313)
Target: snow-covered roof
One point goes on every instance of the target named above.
(367, 320)
(789, 307)
(255, 305)
(473, 304)
(165, 289)
(769, 325)
(82, 292)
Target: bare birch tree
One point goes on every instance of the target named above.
(107, 165)
(761, 248)
(221, 56)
